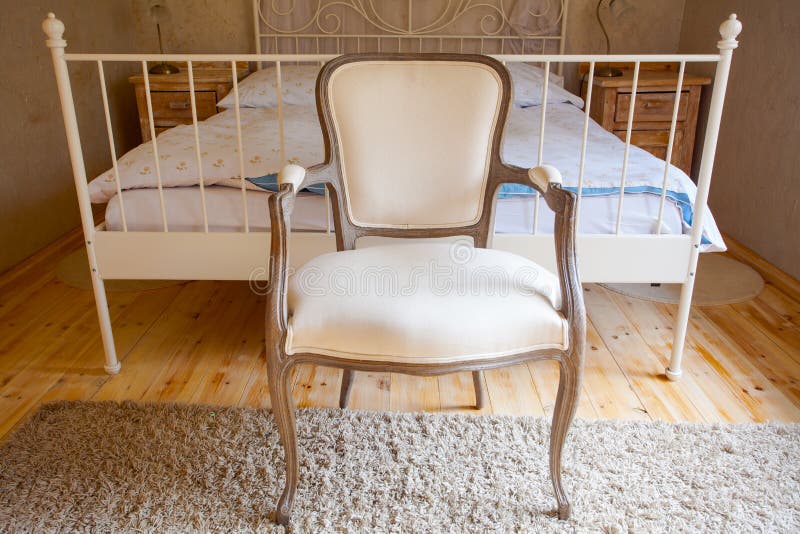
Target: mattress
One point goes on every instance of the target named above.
(225, 214)
(221, 168)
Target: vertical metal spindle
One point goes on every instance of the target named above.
(540, 158)
(627, 145)
(561, 37)
(198, 153)
(111, 145)
(153, 140)
(257, 30)
(670, 142)
(587, 106)
(279, 85)
(327, 211)
(234, 73)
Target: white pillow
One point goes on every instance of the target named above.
(298, 82)
(259, 90)
(528, 79)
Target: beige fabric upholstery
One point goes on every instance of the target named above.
(414, 140)
(430, 302)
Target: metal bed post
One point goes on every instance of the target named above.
(54, 29)
(729, 30)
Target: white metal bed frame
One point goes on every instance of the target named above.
(242, 255)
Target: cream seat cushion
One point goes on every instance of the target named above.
(423, 302)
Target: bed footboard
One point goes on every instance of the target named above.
(614, 257)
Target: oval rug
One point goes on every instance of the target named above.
(720, 280)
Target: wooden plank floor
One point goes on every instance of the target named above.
(202, 342)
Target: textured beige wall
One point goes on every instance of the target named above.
(198, 26)
(37, 194)
(645, 27)
(755, 191)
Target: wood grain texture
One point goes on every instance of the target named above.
(652, 116)
(169, 95)
(759, 380)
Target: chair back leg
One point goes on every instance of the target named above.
(347, 387)
(480, 390)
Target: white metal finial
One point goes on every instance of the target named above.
(729, 30)
(54, 29)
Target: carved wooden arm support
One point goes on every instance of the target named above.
(547, 180)
(291, 179)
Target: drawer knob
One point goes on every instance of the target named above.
(179, 105)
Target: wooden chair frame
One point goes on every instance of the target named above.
(562, 202)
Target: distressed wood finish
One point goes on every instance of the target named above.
(611, 98)
(280, 364)
(171, 100)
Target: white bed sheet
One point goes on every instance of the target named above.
(261, 155)
(225, 214)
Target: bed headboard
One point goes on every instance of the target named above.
(348, 26)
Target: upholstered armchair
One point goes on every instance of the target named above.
(412, 150)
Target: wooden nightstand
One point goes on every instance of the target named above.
(655, 96)
(170, 96)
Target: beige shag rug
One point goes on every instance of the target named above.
(73, 270)
(123, 467)
(720, 280)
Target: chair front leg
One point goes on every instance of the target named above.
(569, 385)
(347, 387)
(280, 390)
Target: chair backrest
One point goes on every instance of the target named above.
(414, 139)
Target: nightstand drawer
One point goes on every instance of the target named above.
(655, 141)
(177, 105)
(651, 107)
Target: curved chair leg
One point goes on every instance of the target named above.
(280, 388)
(347, 387)
(480, 391)
(569, 386)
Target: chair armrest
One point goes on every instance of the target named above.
(292, 174)
(540, 178)
(543, 176)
